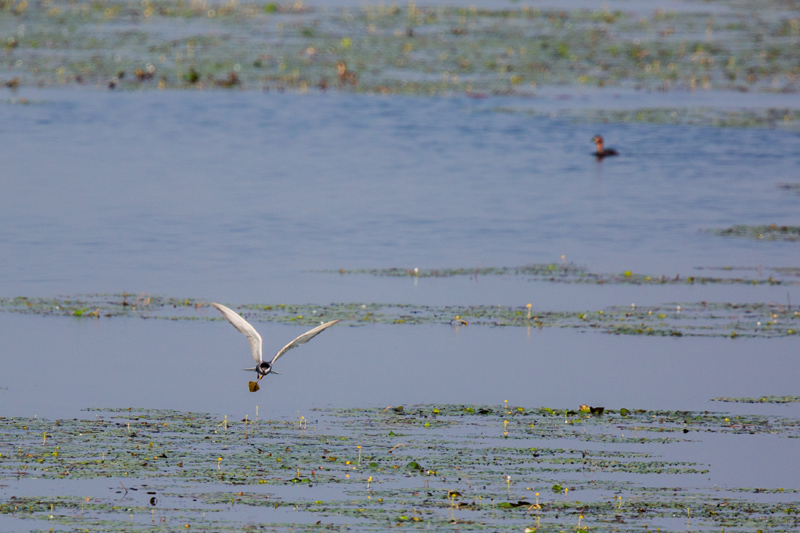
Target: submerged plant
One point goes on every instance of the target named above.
(187, 469)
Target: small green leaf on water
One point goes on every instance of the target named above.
(192, 76)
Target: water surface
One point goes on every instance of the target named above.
(246, 197)
(234, 196)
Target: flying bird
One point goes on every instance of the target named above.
(263, 367)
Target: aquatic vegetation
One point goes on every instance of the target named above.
(405, 49)
(474, 466)
(571, 273)
(411, 50)
(707, 116)
(673, 319)
(761, 399)
(771, 232)
(677, 319)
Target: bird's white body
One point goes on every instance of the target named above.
(262, 367)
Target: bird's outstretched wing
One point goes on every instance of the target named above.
(244, 327)
(304, 338)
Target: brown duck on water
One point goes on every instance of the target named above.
(601, 151)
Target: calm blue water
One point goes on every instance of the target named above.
(233, 196)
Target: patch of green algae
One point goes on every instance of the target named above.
(760, 399)
(720, 319)
(476, 467)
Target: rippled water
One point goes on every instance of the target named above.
(234, 196)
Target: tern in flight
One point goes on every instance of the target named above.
(263, 367)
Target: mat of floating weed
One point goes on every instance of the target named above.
(409, 49)
(768, 232)
(477, 467)
(676, 319)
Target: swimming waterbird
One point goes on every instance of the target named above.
(601, 151)
(262, 367)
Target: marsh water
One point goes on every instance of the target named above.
(224, 195)
(260, 197)
(249, 197)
